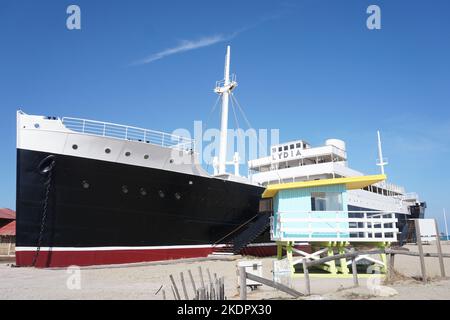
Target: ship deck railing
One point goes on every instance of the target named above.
(117, 131)
(409, 196)
(343, 226)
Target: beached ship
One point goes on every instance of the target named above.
(91, 192)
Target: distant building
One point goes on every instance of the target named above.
(7, 231)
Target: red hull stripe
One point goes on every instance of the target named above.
(60, 258)
(51, 259)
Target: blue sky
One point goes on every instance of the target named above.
(310, 68)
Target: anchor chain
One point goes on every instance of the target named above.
(47, 169)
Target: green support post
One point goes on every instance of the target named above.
(332, 266)
(343, 262)
(279, 250)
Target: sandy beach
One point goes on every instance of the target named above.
(144, 281)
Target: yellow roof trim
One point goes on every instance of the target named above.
(351, 183)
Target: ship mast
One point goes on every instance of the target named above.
(224, 88)
(381, 162)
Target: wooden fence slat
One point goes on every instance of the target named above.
(439, 248)
(201, 276)
(174, 294)
(186, 297)
(389, 266)
(419, 245)
(194, 287)
(306, 273)
(209, 275)
(275, 285)
(242, 283)
(354, 271)
(417, 254)
(175, 287)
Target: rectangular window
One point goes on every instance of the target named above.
(280, 149)
(326, 201)
(292, 146)
(274, 149)
(285, 148)
(299, 145)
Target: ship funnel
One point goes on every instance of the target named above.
(340, 144)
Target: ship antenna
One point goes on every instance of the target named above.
(224, 88)
(381, 160)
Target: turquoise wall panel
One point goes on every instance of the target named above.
(298, 201)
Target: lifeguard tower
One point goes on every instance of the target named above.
(317, 212)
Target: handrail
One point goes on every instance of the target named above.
(118, 131)
(235, 230)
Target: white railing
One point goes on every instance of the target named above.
(221, 83)
(122, 132)
(409, 196)
(354, 226)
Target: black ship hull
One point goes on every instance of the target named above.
(79, 211)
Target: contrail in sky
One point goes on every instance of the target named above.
(188, 45)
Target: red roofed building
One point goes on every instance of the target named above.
(7, 231)
(7, 214)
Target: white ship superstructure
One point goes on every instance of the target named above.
(299, 161)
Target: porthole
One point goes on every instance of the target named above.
(107, 150)
(171, 160)
(85, 184)
(191, 182)
(161, 194)
(36, 125)
(125, 189)
(143, 192)
(146, 156)
(74, 147)
(177, 196)
(127, 154)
